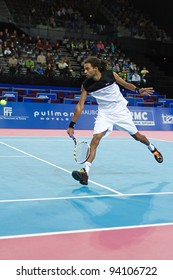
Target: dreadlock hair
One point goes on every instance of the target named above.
(96, 62)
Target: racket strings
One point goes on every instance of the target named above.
(82, 152)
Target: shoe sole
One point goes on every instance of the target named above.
(83, 182)
(158, 157)
(77, 176)
(159, 160)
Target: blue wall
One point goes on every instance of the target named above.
(58, 116)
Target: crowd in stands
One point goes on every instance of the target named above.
(21, 54)
(26, 55)
(108, 50)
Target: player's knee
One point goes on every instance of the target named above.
(137, 136)
(96, 139)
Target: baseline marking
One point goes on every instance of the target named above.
(84, 231)
(83, 197)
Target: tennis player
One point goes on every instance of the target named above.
(112, 110)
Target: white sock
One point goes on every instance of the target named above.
(151, 147)
(87, 167)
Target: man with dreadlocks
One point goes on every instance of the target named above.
(102, 84)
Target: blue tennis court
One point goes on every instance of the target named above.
(126, 211)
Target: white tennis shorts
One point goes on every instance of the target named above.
(122, 120)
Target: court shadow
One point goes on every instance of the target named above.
(124, 221)
(84, 190)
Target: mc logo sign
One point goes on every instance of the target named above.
(143, 117)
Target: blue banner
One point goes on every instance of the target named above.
(57, 116)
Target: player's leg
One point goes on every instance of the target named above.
(82, 175)
(140, 137)
(126, 123)
(103, 126)
(143, 139)
(94, 144)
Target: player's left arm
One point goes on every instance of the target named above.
(130, 86)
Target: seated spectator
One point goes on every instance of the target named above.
(49, 71)
(66, 59)
(49, 58)
(123, 73)
(70, 71)
(144, 74)
(48, 46)
(13, 48)
(20, 64)
(57, 49)
(41, 58)
(39, 46)
(14, 36)
(116, 68)
(7, 52)
(132, 67)
(100, 46)
(39, 70)
(23, 40)
(29, 64)
(12, 62)
(62, 66)
(109, 66)
(136, 78)
(30, 41)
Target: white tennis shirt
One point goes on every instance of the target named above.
(112, 106)
(106, 92)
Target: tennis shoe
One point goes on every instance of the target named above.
(80, 176)
(158, 156)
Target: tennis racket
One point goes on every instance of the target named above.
(81, 150)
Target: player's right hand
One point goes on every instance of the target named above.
(70, 131)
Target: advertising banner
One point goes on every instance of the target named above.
(57, 116)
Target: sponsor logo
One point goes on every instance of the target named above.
(90, 112)
(53, 115)
(8, 111)
(143, 117)
(167, 119)
(8, 115)
(48, 115)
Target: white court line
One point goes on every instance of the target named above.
(131, 139)
(58, 139)
(161, 140)
(84, 197)
(61, 139)
(84, 231)
(56, 166)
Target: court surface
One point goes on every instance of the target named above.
(125, 212)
